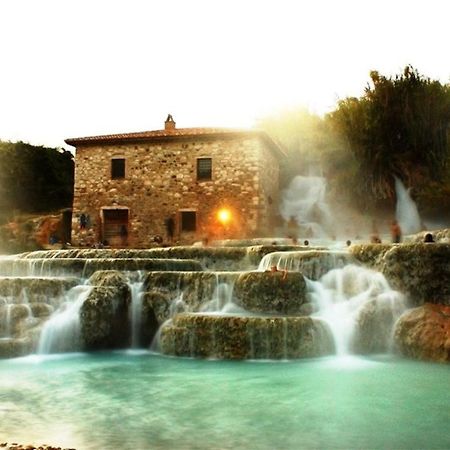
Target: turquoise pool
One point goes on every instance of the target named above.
(124, 400)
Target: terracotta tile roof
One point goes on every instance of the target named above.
(177, 133)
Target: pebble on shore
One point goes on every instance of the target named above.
(15, 446)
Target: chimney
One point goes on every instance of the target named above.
(169, 124)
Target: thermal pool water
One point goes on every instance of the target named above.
(138, 400)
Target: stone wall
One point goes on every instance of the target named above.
(161, 180)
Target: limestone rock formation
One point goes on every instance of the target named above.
(312, 263)
(374, 324)
(271, 292)
(422, 271)
(424, 333)
(104, 314)
(243, 337)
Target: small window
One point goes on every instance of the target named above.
(204, 169)
(188, 220)
(117, 168)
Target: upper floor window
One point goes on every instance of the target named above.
(204, 169)
(117, 168)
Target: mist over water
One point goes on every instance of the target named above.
(304, 201)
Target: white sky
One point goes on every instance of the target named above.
(87, 67)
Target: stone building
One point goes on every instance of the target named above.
(132, 189)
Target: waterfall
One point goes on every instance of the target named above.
(222, 298)
(351, 300)
(62, 333)
(406, 210)
(304, 202)
(135, 311)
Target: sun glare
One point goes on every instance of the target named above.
(224, 216)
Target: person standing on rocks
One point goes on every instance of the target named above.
(396, 232)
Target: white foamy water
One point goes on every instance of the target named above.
(61, 333)
(342, 295)
(222, 299)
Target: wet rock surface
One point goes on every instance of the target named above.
(313, 264)
(35, 289)
(241, 337)
(104, 314)
(424, 333)
(210, 257)
(271, 292)
(422, 271)
(374, 325)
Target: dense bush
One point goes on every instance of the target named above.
(34, 179)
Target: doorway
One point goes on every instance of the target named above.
(115, 227)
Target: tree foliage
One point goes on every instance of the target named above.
(399, 127)
(34, 179)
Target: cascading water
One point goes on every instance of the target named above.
(222, 298)
(136, 285)
(304, 201)
(344, 295)
(5, 326)
(406, 210)
(312, 263)
(61, 333)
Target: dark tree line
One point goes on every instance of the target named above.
(34, 179)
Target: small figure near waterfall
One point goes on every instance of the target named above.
(396, 232)
(274, 269)
(83, 221)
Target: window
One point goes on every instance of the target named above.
(118, 168)
(188, 220)
(204, 169)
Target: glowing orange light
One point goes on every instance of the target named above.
(224, 216)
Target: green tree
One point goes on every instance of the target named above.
(399, 127)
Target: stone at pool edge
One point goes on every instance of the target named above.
(424, 333)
